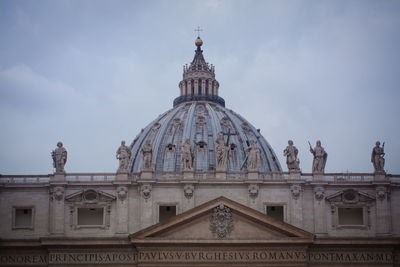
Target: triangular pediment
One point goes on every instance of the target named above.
(89, 196)
(222, 221)
(350, 196)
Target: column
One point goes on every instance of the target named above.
(122, 209)
(57, 206)
(319, 211)
(196, 87)
(296, 205)
(383, 216)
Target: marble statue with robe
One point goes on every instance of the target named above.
(59, 156)
(291, 153)
(320, 157)
(147, 156)
(377, 157)
(253, 157)
(187, 155)
(123, 155)
(221, 153)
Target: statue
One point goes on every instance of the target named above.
(123, 155)
(187, 155)
(320, 157)
(377, 158)
(59, 156)
(290, 153)
(254, 156)
(147, 155)
(221, 152)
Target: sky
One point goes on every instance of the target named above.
(93, 73)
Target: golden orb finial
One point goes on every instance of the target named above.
(198, 42)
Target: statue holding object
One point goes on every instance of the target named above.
(320, 157)
(377, 157)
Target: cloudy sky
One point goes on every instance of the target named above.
(91, 73)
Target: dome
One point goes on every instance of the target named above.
(199, 115)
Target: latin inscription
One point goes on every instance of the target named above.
(249, 256)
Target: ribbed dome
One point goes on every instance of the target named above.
(199, 115)
(200, 121)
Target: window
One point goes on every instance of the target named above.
(275, 212)
(350, 216)
(90, 216)
(166, 212)
(23, 217)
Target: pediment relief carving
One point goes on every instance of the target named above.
(350, 196)
(90, 196)
(220, 220)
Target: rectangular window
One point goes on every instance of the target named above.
(23, 218)
(275, 212)
(90, 216)
(351, 216)
(166, 212)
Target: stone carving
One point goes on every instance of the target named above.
(319, 193)
(59, 156)
(253, 190)
(146, 191)
(381, 192)
(176, 124)
(187, 156)
(233, 154)
(122, 193)
(246, 127)
(200, 122)
(254, 156)
(147, 156)
(123, 155)
(377, 157)
(225, 124)
(188, 191)
(296, 191)
(290, 153)
(57, 193)
(320, 157)
(221, 221)
(221, 152)
(155, 127)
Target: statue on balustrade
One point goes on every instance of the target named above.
(187, 155)
(221, 153)
(291, 153)
(59, 156)
(147, 156)
(254, 156)
(320, 157)
(377, 157)
(123, 155)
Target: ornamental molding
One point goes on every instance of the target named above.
(146, 189)
(90, 196)
(382, 193)
(296, 191)
(319, 193)
(350, 196)
(188, 191)
(253, 190)
(57, 193)
(122, 193)
(221, 221)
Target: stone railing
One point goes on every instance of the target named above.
(90, 177)
(26, 179)
(198, 176)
